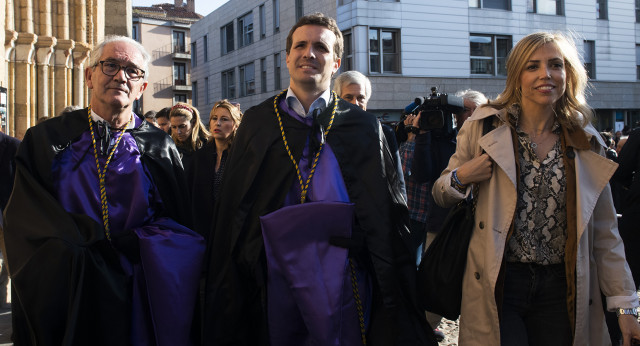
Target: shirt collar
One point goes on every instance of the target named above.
(95, 117)
(320, 103)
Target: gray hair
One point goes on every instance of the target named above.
(96, 53)
(472, 95)
(352, 77)
(69, 109)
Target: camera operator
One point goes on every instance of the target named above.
(424, 154)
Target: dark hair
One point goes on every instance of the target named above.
(321, 20)
(164, 113)
(150, 115)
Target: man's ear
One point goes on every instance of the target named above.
(336, 65)
(87, 76)
(143, 87)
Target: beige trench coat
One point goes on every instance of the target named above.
(601, 264)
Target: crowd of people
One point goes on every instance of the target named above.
(301, 221)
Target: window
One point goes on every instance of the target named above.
(497, 4)
(601, 9)
(637, 11)
(179, 74)
(247, 80)
(179, 98)
(590, 58)
(134, 32)
(299, 9)
(228, 84)
(194, 54)
(205, 48)
(245, 30)
(276, 16)
(384, 52)
(206, 90)
(263, 75)
(545, 7)
(263, 22)
(347, 60)
(194, 94)
(226, 38)
(638, 62)
(488, 54)
(277, 83)
(178, 42)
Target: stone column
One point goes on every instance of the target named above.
(10, 38)
(61, 70)
(80, 55)
(23, 67)
(44, 50)
(119, 15)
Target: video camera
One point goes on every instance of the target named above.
(437, 111)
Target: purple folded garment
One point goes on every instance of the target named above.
(309, 292)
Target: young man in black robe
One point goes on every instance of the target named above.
(95, 228)
(310, 243)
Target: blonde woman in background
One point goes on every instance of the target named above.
(187, 131)
(205, 173)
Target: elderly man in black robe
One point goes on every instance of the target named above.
(95, 229)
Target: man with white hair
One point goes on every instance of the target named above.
(95, 228)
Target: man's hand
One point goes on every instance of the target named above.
(476, 170)
(630, 330)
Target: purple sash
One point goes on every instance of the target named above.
(309, 292)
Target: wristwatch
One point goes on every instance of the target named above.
(622, 311)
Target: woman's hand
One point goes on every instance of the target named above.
(476, 170)
(630, 330)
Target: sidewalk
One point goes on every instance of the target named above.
(5, 326)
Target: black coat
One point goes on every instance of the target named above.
(200, 176)
(627, 177)
(258, 176)
(68, 283)
(8, 149)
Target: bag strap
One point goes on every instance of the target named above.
(487, 126)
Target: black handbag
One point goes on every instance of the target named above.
(443, 265)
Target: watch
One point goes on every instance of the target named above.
(632, 311)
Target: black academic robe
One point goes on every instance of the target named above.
(259, 175)
(8, 149)
(69, 287)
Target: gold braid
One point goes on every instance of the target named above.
(102, 174)
(304, 186)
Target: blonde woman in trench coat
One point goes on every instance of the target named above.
(542, 110)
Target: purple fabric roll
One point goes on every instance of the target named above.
(165, 281)
(307, 277)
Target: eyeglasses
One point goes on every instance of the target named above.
(111, 68)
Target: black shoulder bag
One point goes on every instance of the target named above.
(443, 265)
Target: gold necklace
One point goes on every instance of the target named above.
(304, 186)
(102, 174)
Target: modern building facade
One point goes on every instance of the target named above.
(46, 47)
(164, 30)
(406, 47)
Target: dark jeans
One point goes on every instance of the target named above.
(534, 310)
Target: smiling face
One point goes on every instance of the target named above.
(354, 93)
(311, 60)
(115, 94)
(221, 124)
(543, 80)
(181, 128)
